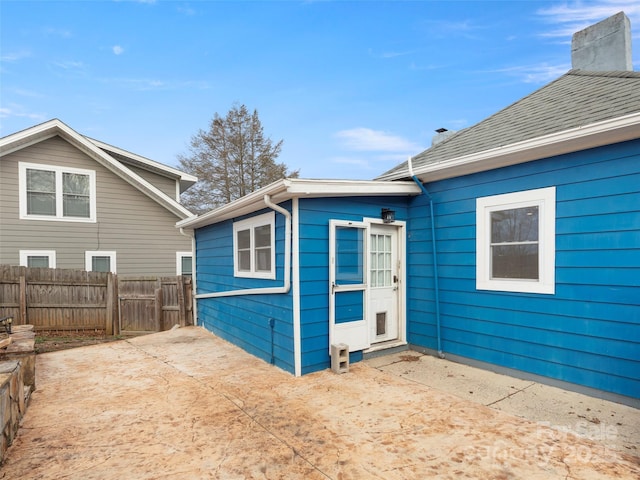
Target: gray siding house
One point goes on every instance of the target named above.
(68, 201)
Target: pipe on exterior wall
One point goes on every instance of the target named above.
(435, 256)
(286, 285)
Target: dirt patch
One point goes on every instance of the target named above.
(54, 341)
(409, 358)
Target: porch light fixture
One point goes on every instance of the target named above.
(388, 215)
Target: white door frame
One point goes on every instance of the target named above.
(401, 227)
(356, 334)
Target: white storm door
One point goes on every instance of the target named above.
(348, 284)
(384, 273)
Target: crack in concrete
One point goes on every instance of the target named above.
(510, 395)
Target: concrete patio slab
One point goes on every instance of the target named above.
(615, 425)
(185, 404)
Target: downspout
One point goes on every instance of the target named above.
(286, 285)
(194, 304)
(435, 255)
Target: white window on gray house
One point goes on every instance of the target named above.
(100, 261)
(48, 192)
(254, 247)
(38, 258)
(515, 241)
(184, 263)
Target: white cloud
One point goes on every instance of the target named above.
(368, 140)
(69, 65)
(57, 32)
(118, 50)
(27, 93)
(391, 54)
(15, 56)
(18, 111)
(186, 10)
(571, 17)
(542, 73)
(350, 161)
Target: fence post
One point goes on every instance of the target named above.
(181, 305)
(108, 328)
(23, 297)
(188, 297)
(158, 305)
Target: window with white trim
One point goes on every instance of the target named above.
(184, 263)
(515, 241)
(48, 192)
(100, 261)
(38, 258)
(254, 247)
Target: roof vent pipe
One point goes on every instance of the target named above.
(441, 135)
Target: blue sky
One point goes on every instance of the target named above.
(352, 88)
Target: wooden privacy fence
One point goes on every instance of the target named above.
(59, 300)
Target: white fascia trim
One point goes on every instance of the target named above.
(170, 171)
(290, 188)
(597, 134)
(24, 138)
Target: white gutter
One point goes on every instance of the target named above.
(287, 189)
(605, 132)
(286, 286)
(297, 341)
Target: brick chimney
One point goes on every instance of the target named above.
(605, 46)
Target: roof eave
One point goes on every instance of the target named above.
(38, 133)
(597, 134)
(186, 180)
(290, 188)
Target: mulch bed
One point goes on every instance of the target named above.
(62, 340)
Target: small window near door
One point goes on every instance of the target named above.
(184, 263)
(254, 247)
(38, 258)
(100, 261)
(381, 267)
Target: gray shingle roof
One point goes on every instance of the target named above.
(576, 99)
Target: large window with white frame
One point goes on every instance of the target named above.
(254, 247)
(515, 241)
(184, 263)
(38, 258)
(100, 261)
(50, 192)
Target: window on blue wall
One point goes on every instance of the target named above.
(515, 241)
(254, 247)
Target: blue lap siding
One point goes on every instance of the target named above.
(314, 266)
(588, 332)
(244, 320)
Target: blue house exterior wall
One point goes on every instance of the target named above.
(244, 320)
(314, 216)
(588, 332)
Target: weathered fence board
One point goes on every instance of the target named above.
(57, 299)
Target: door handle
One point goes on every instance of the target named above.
(395, 279)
